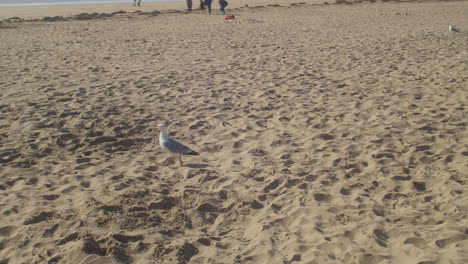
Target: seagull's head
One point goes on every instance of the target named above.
(162, 128)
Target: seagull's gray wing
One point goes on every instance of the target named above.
(176, 147)
(454, 29)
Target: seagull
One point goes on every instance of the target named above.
(453, 28)
(171, 145)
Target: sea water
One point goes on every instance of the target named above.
(65, 2)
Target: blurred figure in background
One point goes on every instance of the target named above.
(189, 6)
(208, 5)
(222, 5)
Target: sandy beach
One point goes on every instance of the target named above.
(328, 133)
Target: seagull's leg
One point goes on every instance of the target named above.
(180, 160)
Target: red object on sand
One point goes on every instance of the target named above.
(230, 17)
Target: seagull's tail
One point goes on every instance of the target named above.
(192, 153)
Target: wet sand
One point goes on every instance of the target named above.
(38, 12)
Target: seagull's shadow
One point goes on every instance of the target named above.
(196, 166)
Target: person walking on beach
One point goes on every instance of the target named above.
(135, 2)
(222, 6)
(189, 6)
(208, 4)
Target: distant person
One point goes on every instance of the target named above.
(135, 2)
(189, 6)
(222, 5)
(202, 5)
(208, 4)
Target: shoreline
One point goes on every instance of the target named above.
(68, 10)
(63, 12)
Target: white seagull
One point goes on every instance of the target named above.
(453, 28)
(171, 145)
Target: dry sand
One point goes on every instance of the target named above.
(327, 133)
